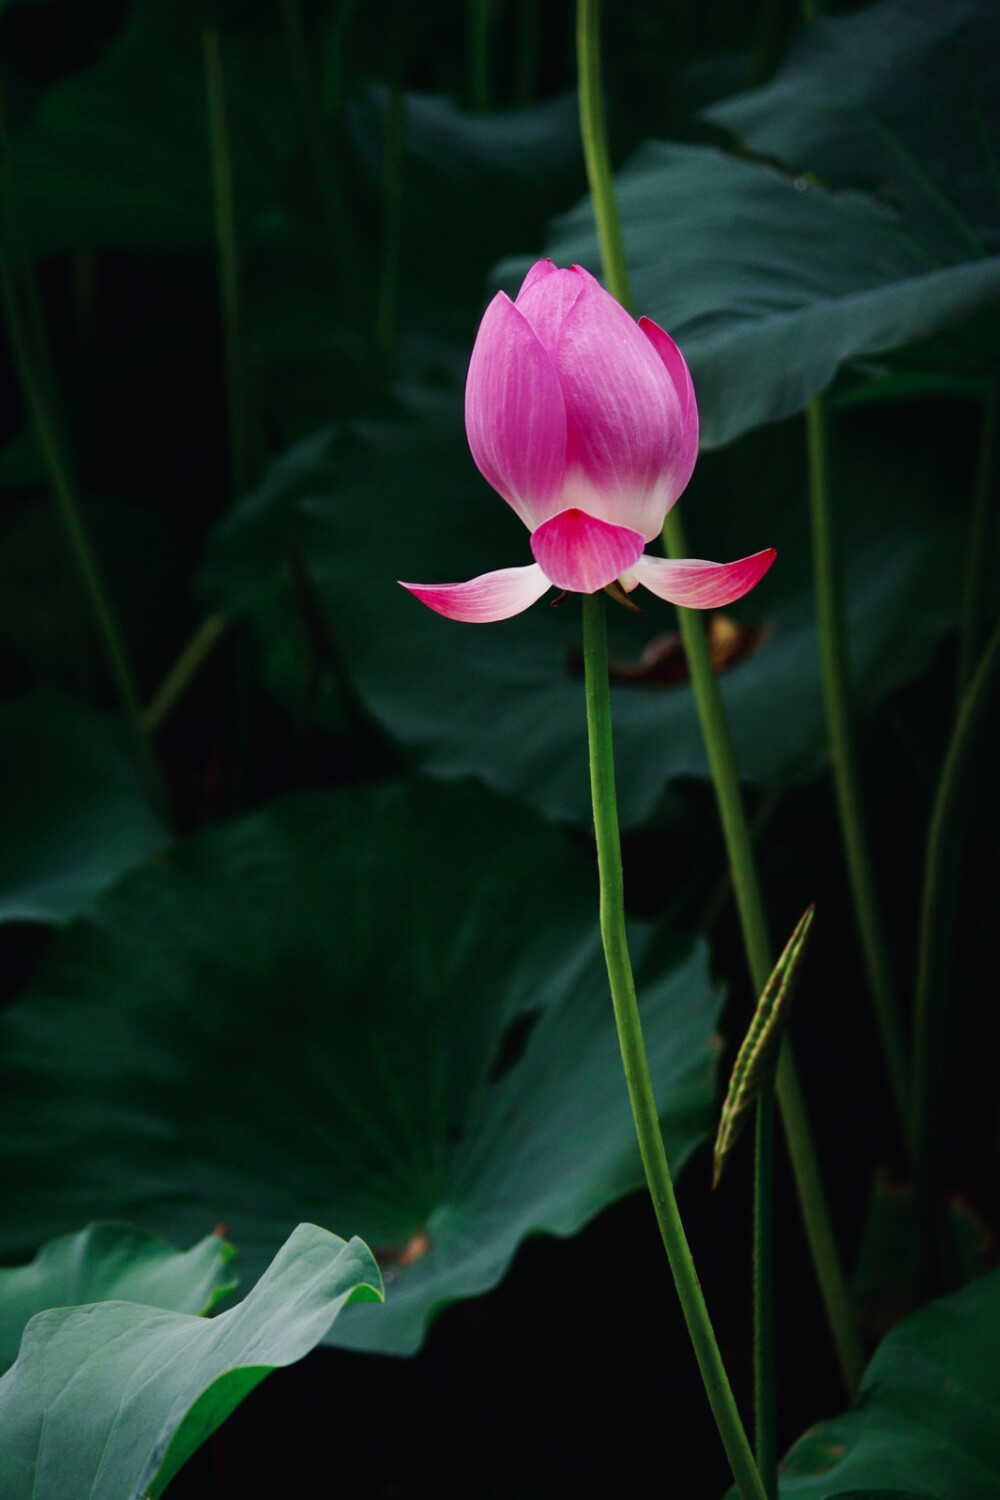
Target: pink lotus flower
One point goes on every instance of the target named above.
(585, 422)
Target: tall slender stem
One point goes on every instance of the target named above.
(479, 54)
(835, 669)
(765, 1431)
(229, 265)
(640, 1087)
(392, 227)
(186, 667)
(721, 754)
(977, 565)
(31, 358)
(937, 924)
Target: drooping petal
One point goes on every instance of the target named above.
(546, 299)
(684, 450)
(491, 596)
(515, 416)
(582, 553)
(623, 414)
(698, 584)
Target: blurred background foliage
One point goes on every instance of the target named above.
(285, 969)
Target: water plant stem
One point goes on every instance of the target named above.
(479, 22)
(977, 565)
(229, 284)
(835, 669)
(184, 669)
(640, 1087)
(939, 904)
(719, 747)
(31, 359)
(764, 1382)
(392, 227)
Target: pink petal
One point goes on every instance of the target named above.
(685, 451)
(702, 585)
(515, 415)
(491, 596)
(624, 414)
(538, 272)
(581, 553)
(546, 300)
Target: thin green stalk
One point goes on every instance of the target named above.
(240, 440)
(640, 1087)
(31, 360)
(184, 669)
(392, 227)
(753, 923)
(719, 747)
(835, 670)
(330, 191)
(977, 565)
(765, 1432)
(942, 869)
(596, 154)
(479, 54)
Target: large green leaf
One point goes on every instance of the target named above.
(319, 1011)
(72, 809)
(108, 1401)
(927, 1422)
(369, 503)
(112, 1262)
(880, 225)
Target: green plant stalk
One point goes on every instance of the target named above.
(979, 537)
(392, 227)
(764, 1382)
(640, 1087)
(479, 54)
(229, 267)
(720, 751)
(835, 669)
(31, 360)
(934, 953)
(184, 669)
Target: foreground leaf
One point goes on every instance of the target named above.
(927, 1421)
(112, 1262)
(72, 808)
(880, 226)
(382, 1008)
(107, 1402)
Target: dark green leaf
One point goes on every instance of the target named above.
(385, 1009)
(107, 1402)
(927, 1422)
(72, 808)
(112, 1262)
(880, 226)
(373, 502)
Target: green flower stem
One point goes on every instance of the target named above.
(392, 227)
(31, 359)
(229, 280)
(184, 669)
(836, 677)
(719, 747)
(479, 54)
(640, 1088)
(765, 1428)
(979, 536)
(753, 923)
(934, 956)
